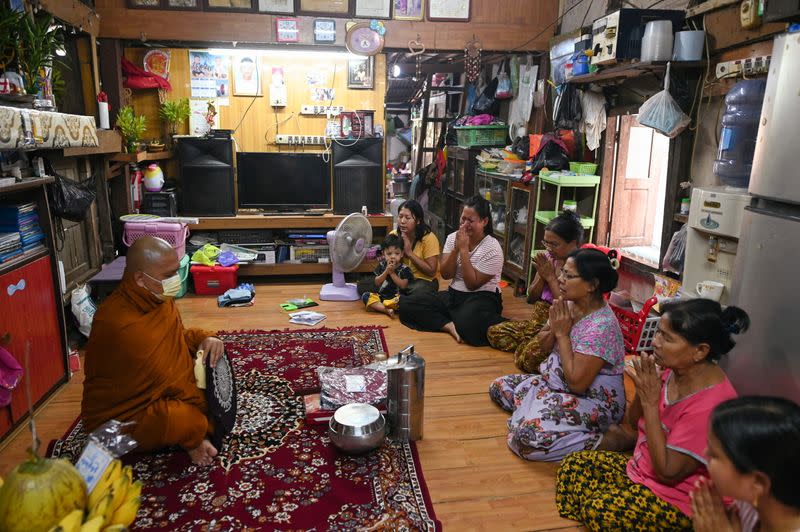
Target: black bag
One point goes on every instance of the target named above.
(550, 156)
(70, 200)
(569, 110)
(487, 104)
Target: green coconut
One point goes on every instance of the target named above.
(38, 493)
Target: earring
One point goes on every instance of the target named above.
(755, 502)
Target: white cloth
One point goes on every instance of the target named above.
(594, 119)
(487, 257)
(519, 111)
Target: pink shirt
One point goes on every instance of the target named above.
(686, 425)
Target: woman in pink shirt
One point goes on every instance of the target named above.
(651, 491)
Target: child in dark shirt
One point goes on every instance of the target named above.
(391, 278)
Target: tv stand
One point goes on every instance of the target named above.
(381, 224)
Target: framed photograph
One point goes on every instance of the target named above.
(449, 10)
(279, 7)
(324, 30)
(246, 76)
(361, 73)
(287, 29)
(408, 9)
(242, 6)
(373, 9)
(144, 4)
(323, 7)
(182, 5)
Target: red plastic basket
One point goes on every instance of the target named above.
(638, 328)
(213, 280)
(174, 233)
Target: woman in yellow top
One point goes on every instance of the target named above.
(420, 247)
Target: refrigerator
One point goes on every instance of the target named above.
(766, 281)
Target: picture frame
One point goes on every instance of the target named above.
(373, 9)
(361, 73)
(324, 30)
(449, 10)
(340, 8)
(287, 29)
(276, 7)
(182, 5)
(408, 9)
(144, 4)
(246, 76)
(237, 6)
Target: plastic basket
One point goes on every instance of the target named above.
(174, 233)
(183, 272)
(468, 136)
(310, 253)
(638, 328)
(583, 168)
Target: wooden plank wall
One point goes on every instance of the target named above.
(260, 119)
(500, 25)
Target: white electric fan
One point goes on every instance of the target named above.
(348, 244)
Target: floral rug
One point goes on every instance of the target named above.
(274, 471)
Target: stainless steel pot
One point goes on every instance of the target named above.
(357, 428)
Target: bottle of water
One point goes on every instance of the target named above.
(737, 141)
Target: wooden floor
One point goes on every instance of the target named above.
(476, 483)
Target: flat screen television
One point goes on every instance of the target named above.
(283, 182)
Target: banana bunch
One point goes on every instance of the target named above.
(112, 505)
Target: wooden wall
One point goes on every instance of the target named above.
(260, 119)
(500, 24)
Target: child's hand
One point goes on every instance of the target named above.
(390, 266)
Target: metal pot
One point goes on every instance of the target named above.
(357, 428)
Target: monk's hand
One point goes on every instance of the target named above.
(214, 348)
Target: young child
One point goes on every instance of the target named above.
(391, 278)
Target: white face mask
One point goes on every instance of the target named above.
(169, 286)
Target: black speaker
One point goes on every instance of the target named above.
(206, 166)
(358, 176)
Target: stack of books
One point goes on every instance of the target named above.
(19, 230)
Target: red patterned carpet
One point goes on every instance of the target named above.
(274, 472)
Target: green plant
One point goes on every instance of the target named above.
(37, 41)
(131, 126)
(10, 21)
(174, 112)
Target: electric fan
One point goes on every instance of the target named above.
(348, 244)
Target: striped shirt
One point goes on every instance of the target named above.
(487, 257)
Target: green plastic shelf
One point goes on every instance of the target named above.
(571, 180)
(546, 216)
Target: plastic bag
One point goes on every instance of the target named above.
(103, 445)
(70, 200)
(662, 113)
(340, 386)
(486, 103)
(504, 91)
(550, 156)
(676, 252)
(514, 75)
(83, 308)
(568, 109)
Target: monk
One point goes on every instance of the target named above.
(140, 358)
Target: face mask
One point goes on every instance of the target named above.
(169, 286)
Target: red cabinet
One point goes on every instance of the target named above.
(29, 312)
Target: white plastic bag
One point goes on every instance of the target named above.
(83, 308)
(662, 113)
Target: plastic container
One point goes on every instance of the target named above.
(583, 168)
(183, 272)
(174, 233)
(213, 280)
(580, 64)
(494, 135)
(689, 45)
(737, 141)
(657, 41)
(638, 328)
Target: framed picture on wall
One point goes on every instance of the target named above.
(323, 7)
(408, 9)
(228, 5)
(281, 7)
(182, 4)
(324, 30)
(246, 76)
(144, 4)
(361, 73)
(287, 29)
(373, 9)
(449, 10)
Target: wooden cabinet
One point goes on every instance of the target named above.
(459, 183)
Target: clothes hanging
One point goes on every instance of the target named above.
(594, 118)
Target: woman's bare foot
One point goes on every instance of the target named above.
(617, 438)
(450, 328)
(203, 454)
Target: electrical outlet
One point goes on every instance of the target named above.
(299, 140)
(750, 66)
(321, 109)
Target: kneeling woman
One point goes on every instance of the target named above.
(473, 259)
(651, 491)
(580, 391)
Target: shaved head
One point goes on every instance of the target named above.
(149, 261)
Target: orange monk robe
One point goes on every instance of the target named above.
(140, 367)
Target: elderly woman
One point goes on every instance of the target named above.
(580, 391)
(420, 247)
(473, 259)
(562, 236)
(606, 491)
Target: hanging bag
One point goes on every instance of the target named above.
(486, 102)
(662, 113)
(504, 90)
(69, 199)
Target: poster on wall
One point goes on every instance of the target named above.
(318, 75)
(452, 10)
(246, 78)
(408, 9)
(204, 116)
(320, 94)
(210, 75)
(360, 73)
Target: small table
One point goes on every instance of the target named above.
(106, 280)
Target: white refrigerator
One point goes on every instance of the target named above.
(766, 282)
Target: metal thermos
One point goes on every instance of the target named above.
(406, 395)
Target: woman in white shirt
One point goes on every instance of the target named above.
(473, 259)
